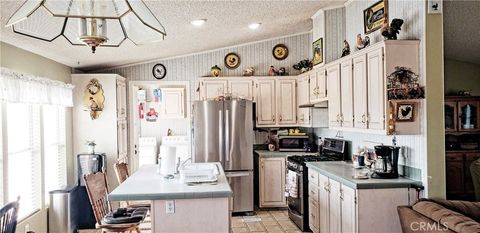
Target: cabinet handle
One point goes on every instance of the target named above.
(273, 117)
(341, 194)
(368, 118)
(280, 118)
(341, 118)
(363, 118)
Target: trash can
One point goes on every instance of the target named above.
(70, 210)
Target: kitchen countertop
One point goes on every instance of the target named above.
(147, 184)
(343, 172)
(267, 153)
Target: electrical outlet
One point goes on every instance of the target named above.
(170, 207)
(27, 228)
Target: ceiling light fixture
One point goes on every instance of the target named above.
(85, 22)
(254, 26)
(198, 22)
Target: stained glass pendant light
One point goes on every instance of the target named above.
(84, 22)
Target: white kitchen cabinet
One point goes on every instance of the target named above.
(323, 203)
(334, 96)
(122, 138)
(360, 91)
(348, 204)
(303, 98)
(272, 182)
(286, 101)
(335, 214)
(173, 103)
(121, 99)
(318, 85)
(211, 88)
(346, 90)
(241, 88)
(376, 90)
(266, 101)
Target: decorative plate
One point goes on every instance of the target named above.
(280, 52)
(232, 60)
(159, 71)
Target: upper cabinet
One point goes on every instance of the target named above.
(376, 90)
(286, 102)
(211, 88)
(334, 95)
(241, 88)
(265, 96)
(173, 103)
(236, 87)
(303, 98)
(276, 102)
(462, 114)
(318, 85)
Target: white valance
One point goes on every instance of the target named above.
(24, 88)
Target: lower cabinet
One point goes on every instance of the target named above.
(272, 182)
(459, 178)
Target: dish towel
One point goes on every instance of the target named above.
(292, 185)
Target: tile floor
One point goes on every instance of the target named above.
(264, 221)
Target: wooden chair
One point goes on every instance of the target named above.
(121, 171)
(97, 189)
(8, 217)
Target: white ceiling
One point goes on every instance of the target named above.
(461, 27)
(227, 25)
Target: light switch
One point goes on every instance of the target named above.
(170, 207)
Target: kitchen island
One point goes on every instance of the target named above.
(177, 206)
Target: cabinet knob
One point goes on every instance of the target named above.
(363, 118)
(280, 118)
(273, 117)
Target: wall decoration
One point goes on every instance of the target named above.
(435, 7)
(282, 72)
(280, 51)
(390, 32)
(303, 65)
(346, 48)
(91, 146)
(272, 71)
(405, 112)
(232, 60)
(318, 51)
(403, 84)
(93, 98)
(374, 16)
(159, 71)
(362, 43)
(215, 71)
(151, 115)
(250, 71)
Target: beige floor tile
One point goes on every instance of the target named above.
(238, 224)
(263, 213)
(293, 231)
(274, 229)
(281, 217)
(255, 226)
(267, 219)
(237, 219)
(288, 225)
(239, 229)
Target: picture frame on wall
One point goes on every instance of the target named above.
(405, 112)
(317, 51)
(374, 16)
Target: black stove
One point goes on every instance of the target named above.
(333, 150)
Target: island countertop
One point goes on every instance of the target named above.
(343, 172)
(147, 184)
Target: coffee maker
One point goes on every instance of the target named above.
(386, 164)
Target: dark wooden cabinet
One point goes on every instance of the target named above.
(451, 116)
(468, 112)
(469, 158)
(459, 178)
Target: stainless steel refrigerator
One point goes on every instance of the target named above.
(223, 132)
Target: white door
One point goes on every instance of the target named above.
(346, 90)
(360, 91)
(334, 97)
(210, 89)
(286, 104)
(349, 209)
(335, 207)
(272, 182)
(303, 97)
(324, 203)
(376, 90)
(242, 88)
(265, 96)
(134, 127)
(173, 103)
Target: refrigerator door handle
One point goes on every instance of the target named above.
(236, 174)
(227, 135)
(220, 138)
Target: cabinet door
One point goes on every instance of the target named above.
(121, 100)
(265, 95)
(286, 102)
(303, 97)
(455, 174)
(360, 91)
(335, 207)
(451, 116)
(321, 83)
(210, 89)
(313, 220)
(122, 138)
(313, 93)
(241, 88)
(468, 112)
(349, 209)
(376, 90)
(272, 182)
(334, 97)
(469, 159)
(173, 103)
(346, 90)
(324, 203)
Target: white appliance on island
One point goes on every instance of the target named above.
(223, 132)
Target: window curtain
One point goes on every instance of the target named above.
(23, 88)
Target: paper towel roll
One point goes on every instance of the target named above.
(168, 160)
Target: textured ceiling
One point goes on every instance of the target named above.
(226, 25)
(461, 27)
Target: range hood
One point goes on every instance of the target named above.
(321, 104)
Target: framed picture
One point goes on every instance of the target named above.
(318, 51)
(280, 51)
(232, 60)
(405, 112)
(374, 16)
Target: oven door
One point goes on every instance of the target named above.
(296, 205)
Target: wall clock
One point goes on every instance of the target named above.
(280, 52)
(159, 71)
(232, 60)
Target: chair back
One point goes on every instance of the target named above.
(8, 217)
(97, 189)
(121, 170)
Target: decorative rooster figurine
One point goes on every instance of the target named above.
(362, 43)
(390, 32)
